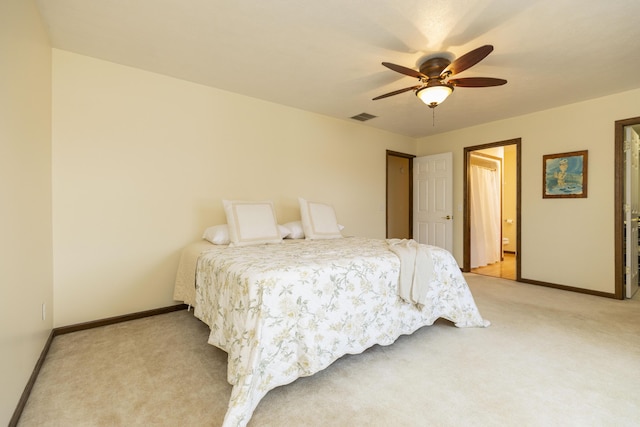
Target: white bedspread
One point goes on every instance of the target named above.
(286, 311)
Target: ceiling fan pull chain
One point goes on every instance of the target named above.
(433, 112)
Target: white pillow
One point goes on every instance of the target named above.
(217, 234)
(295, 230)
(284, 231)
(318, 220)
(251, 223)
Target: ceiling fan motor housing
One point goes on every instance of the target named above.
(433, 67)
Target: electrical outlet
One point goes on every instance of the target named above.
(44, 311)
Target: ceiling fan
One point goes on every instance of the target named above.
(435, 85)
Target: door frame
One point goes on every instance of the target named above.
(618, 192)
(466, 265)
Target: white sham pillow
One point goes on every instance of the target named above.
(296, 231)
(217, 234)
(318, 220)
(251, 223)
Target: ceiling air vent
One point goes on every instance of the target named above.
(363, 117)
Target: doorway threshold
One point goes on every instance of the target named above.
(505, 269)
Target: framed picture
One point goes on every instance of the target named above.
(564, 175)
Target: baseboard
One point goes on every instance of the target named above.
(13, 422)
(74, 328)
(117, 319)
(567, 288)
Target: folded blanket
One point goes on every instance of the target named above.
(416, 269)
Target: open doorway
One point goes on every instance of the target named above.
(627, 207)
(399, 204)
(492, 221)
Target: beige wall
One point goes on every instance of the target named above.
(142, 161)
(564, 241)
(25, 197)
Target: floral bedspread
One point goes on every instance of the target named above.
(284, 311)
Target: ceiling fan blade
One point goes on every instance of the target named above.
(396, 92)
(477, 82)
(404, 70)
(469, 59)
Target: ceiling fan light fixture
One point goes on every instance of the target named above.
(434, 95)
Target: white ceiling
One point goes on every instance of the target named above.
(324, 56)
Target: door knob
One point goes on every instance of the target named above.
(447, 217)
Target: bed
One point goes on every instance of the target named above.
(288, 310)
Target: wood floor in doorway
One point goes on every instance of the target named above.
(506, 269)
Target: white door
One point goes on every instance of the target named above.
(631, 208)
(433, 200)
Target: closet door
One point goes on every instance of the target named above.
(433, 200)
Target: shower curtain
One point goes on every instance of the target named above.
(485, 216)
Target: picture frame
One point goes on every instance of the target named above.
(564, 175)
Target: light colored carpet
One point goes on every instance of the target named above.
(550, 358)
